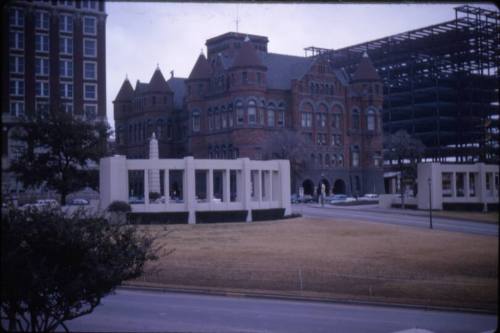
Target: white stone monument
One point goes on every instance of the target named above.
(154, 174)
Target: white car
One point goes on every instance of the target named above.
(42, 204)
(369, 196)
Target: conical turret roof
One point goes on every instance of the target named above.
(201, 69)
(158, 83)
(365, 71)
(126, 92)
(247, 56)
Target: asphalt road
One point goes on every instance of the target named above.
(371, 213)
(143, 311)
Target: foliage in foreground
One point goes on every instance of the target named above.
(56, 268)
(59, 150)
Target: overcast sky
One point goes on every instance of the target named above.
(141, 35)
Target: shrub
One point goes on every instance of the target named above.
(119, 207)
(56, 267)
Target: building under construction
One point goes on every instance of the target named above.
(440, 83)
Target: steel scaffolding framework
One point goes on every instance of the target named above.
(440, 83)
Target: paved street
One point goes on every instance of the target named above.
(372, 213)
(176, 312)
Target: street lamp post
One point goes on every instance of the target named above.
(430, 202)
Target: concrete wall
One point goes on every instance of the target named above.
(273, 176)
(484, 188)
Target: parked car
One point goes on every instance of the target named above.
(307, 198)
(350, 199)
(369, 196)
(295, 198)
(79, 202)
(42, 204)
(135, 200)
(336, 198)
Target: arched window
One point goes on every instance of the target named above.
(327, 160)
(130, 133)
(196, 120)
(252, 112)
(210, 119)
(230, 115)
(306, 115)
(149, 129)
(240, 113)
(217, 118)
(320, 159)
(223, 152)
(223, 117)
(341, 160)
(281, 115)
(313, 159)
(216, 152)
(355, 156)
(311, 88)
(370, 120)
(355, 119)
(334, 160)
(321, 116)
(337, 117)
(210, 153)
(160, 126)
(270, 115)
(169, 129)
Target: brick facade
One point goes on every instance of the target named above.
(240, 93)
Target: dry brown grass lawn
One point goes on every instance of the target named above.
(327, 258)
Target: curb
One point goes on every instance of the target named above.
(409, 212)
(215, 292)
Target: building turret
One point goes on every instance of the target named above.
(198, 81)
(247, 70)
(123, 100)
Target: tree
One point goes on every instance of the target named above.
(56, 268)
(406, 151)
(289, 145)
(60, 151)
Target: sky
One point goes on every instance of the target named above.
(143, 35)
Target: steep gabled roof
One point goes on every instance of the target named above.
(282, 69)
(178, 86)
(126, 92)
(158, 83)
(201, 69)
(247, 56)
(365, 71)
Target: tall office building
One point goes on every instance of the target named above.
(53, 56)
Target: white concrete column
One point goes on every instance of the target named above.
(270, 186)
(259, 186)
(166, 182)
(113, 180)
(225, 183)
(189, 189)
(284, 173)
(246, 188)
(146, 187)
(210, 185)
(466, 185)
(453, 184)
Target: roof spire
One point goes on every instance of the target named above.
(157, 65)
(126, 76)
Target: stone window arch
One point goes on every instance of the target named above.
(336, 117)
(321, 115)
(327, 160)
(223, 117)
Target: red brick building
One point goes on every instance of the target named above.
(240, 93)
